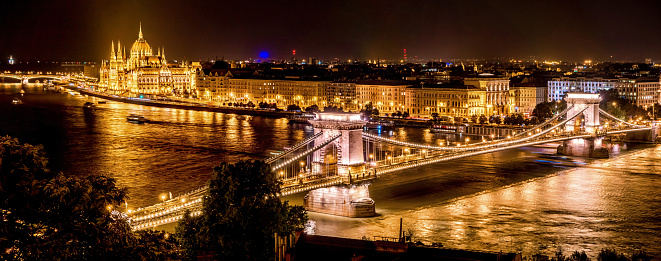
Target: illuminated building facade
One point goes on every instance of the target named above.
(143, 72)
(342, 94)
(497, 93)
(386, 96)
(446, 100)
(526, 97)
(642, 91)
(222, 86)
(558, 87)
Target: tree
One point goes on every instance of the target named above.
(497, 119)
(507, 120)
(375, 112)
(474, 118)
(435, 117)
(250, 104)
(312, 109)
(367, 111)
(405, 114)
(293, 107)
(483, 119)
(49, 216)
(399, 114)
(543, 110)
(241, 214)
(518, 119)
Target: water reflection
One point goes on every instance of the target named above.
(498, 201)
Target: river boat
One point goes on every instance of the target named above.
(379, 125)
(89, 105)
(443, 128)
(301, 118)
(558, 160)
(134, 118)
(16, 100)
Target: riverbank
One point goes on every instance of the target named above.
(183, 105)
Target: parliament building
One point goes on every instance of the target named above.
(145, 73)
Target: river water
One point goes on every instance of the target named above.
(499, 201)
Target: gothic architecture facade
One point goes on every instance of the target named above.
(145, 73)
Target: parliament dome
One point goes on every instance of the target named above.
(141, 46)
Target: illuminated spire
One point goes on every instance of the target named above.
(119, 49)
(140, 34)
(112, 50)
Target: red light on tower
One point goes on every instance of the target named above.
(293, 52)
(404, 54)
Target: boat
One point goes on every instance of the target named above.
(558, 160)
(301, 118)
(102, 102)
(379, 124)
(89, 105)
(49, 86)
(134, 118)
(443, 128)
(16, 100)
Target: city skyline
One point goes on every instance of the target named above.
(365, 30)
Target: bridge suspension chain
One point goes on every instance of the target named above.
(402, 143)
(307, 152)
(293, 148)
(619, 120)
(541, 125)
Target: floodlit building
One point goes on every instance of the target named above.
(386, 96)
(558, 87)
(144, 73)
(497, 93)
(342, 94)
(221, 85)
(456, 100)
(526, 96)
(642, 91)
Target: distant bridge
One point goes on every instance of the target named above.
(340, 153)
(25, 78)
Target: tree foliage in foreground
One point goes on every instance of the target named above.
(242, 212)
(46, 215)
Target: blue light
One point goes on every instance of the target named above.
(141, 97)
(263, 54)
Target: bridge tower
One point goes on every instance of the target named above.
(342, 157)
(590, 115)
(584, 147)
(347, 151)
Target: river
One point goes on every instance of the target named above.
(498, 201)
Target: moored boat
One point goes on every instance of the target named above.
(89, 105)
(134, 118)
(16, 100)
(379, 124)
(300, 118)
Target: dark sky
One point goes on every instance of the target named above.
(82, 30)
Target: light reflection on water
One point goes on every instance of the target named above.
(498, 201)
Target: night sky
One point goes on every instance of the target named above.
(355, 29)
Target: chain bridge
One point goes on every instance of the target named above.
(336, 163)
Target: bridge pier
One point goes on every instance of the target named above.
(651, 136)
(588, 147)
(345, 200)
